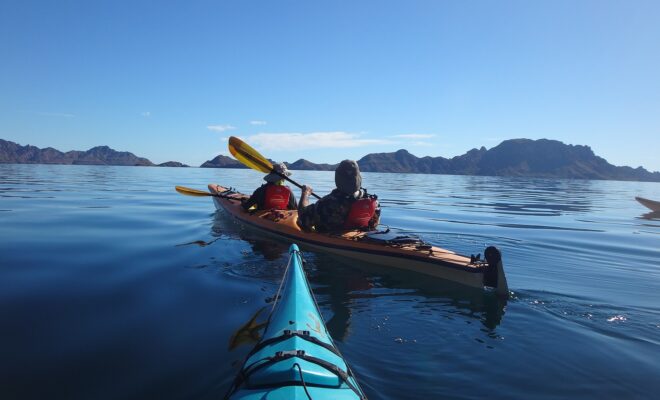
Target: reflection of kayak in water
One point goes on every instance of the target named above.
(296, 358)
(651, 204)
(373, 248)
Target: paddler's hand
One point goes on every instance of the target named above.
(306, 190)
(304, 197)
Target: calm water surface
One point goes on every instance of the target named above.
(112, 285)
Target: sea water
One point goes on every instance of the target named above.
(112, 285)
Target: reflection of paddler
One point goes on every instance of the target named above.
(339, 300)
(271, 250)
(337, 288)
(249, 333)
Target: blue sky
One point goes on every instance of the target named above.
(331, 80)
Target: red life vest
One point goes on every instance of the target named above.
(277, 197)
(361, 213)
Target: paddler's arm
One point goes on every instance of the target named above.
(304, 197)
(307, 215)
(375, 220)
(247, 203)
(255, 199)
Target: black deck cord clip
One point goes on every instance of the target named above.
(289, 332)
(289, 353)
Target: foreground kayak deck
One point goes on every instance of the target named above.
(296, 356)
(651, 204)
(428, 260)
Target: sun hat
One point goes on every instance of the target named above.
(274, 177)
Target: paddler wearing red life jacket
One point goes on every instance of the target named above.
(273, 195)
(347, 207)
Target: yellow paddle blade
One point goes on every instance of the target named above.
(248, 156)
(191, 192)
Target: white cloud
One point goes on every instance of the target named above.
(220, 128)
(415, 136)
(255, 122)
(146, 114)
(313, 140)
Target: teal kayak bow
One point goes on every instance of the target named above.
(296, 357)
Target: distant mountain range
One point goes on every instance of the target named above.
(517, 157)
(11, 152)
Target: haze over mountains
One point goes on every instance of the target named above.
(541, 158)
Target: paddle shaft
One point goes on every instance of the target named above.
(195, 192)
(295, 183)
(224, 197)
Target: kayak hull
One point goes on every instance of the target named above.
(432, 261)
(651, 204)
(296, 353)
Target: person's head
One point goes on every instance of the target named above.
(347, 177)
(274, 177)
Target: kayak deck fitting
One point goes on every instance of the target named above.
(424, 259)
(296, 357)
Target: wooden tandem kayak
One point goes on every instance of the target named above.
(427, 260)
